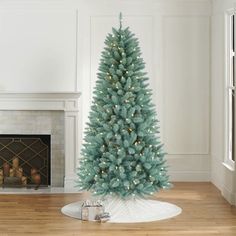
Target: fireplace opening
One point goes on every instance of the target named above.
(25, 160)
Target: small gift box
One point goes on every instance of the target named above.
(90, 210)
(103, 217)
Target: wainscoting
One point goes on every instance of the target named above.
(55, 46)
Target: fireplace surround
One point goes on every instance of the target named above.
(56, 114)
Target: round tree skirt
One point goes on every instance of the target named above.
(130, 211)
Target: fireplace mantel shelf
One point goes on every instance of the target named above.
(52, 101)
(38, 94)
(65, 101)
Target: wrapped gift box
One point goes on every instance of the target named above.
(90, 210)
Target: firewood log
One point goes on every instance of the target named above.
(12, 172)
(24, 180)
(6, 169)
(1, 176)
(15, 163)
(19, 172)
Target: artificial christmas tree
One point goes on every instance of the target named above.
(122, 156)
(122, 153)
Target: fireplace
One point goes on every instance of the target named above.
(56, 114)
(25, 160)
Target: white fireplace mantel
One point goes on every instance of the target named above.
(63, 101)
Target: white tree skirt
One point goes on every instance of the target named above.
(130, 211)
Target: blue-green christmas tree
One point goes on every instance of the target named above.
(122, 153)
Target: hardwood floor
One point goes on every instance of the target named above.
(205, 212)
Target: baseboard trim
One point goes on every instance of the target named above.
(185, 176)
(229, 196)
(216, 184)
(216, 180)
(190, 176)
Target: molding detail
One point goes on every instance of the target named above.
(190, 176)
(229, 196)
(67, 102)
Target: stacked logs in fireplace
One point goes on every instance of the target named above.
(13, 175)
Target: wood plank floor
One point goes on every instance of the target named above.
(205, 212)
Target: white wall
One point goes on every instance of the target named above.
(221, 176)
(56, 46)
